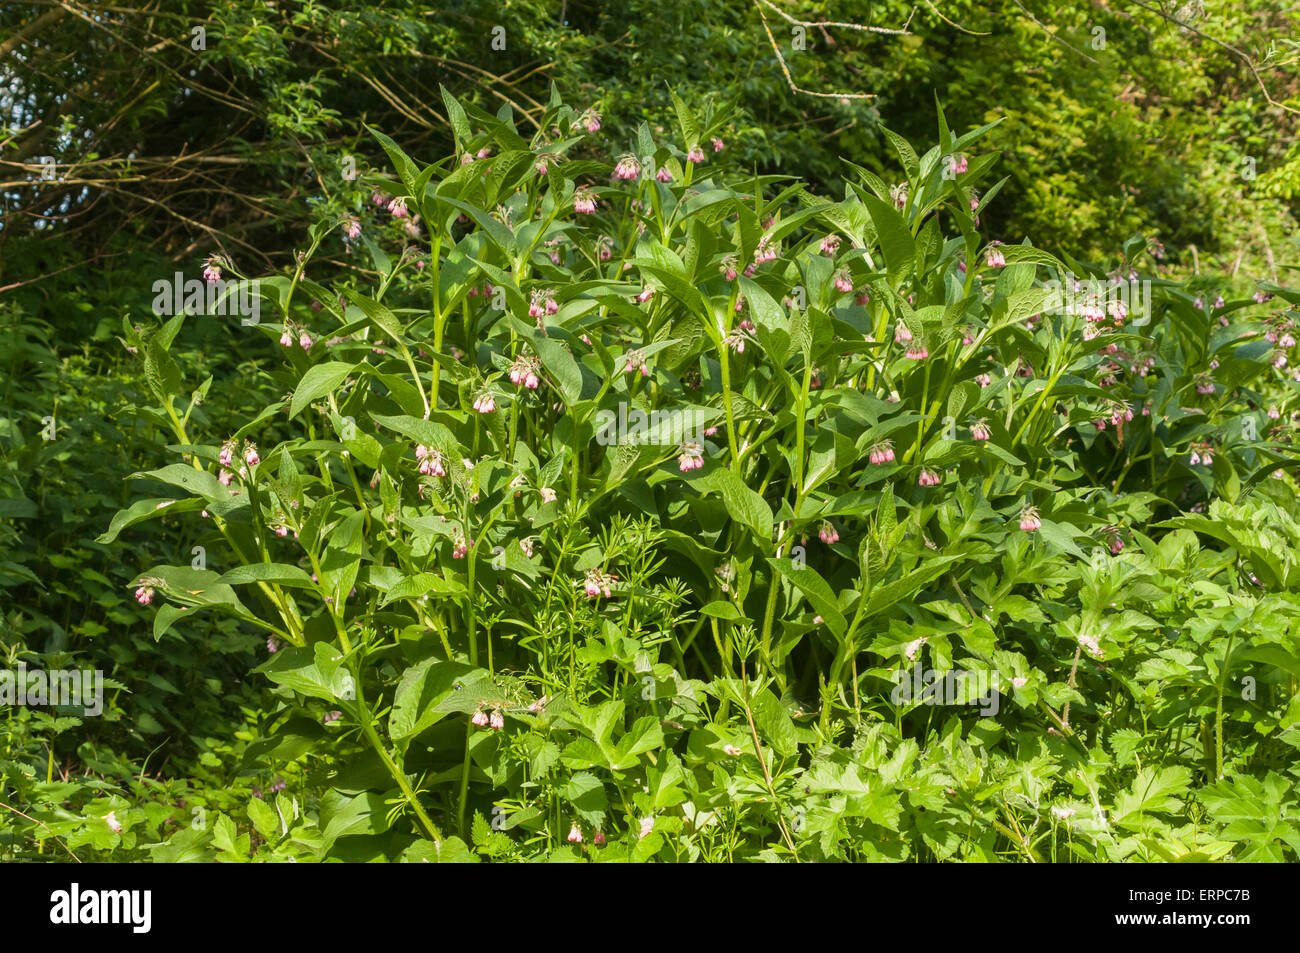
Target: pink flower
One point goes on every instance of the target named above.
(113, 823)
(548, 495)
(916, 351)
(304, 341)
(430, 461)
(575, 834)
(497, 721)
(250, 454)
(484, 403)
(590, 119)
(882, 452)
(144, 595)
(691, 457)
(980, 431)
(598, 838)
(225, 476)
(1029, 521)
(830, 245)
(584, 202)
(352, 229)
(627, 167)
(843, 283)
(648, 823)
(994, 258)
(957, 165)
(286, 339)
(227, 454)
(984, 380)
(732, 750)
(646, 294)
(827, 534)
(663, 175)
(929, 478)
(212, 269)
(718, 144)
(480, 718)
(527, 546)
(695, 154)
(901, 334)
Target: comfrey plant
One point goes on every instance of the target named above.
(613, 515)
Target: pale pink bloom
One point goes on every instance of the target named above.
(485, 403)
(113, 823)
(598, 838)
(1019, 681)
(497, 721)
(929, 478)
(663, 175)
(984, 380)
(584, 202)
(830, 245)
(994, 258)
(901, 334)
(916, 351)
(718, 144)
(227, 454)
(575, 834)
(957, 165)
(648, 823)
(352, 228)
(695, 154)
(548, 495)
(843, 283)
(225, 476)
(480, 718)
(144, 595)
(913, 647)
(527, 546)
(980, 431)
(211, 271)
(827, 534)
(286, 339)
(691, 457)
(1029, 521)
(305, 341)
(250, 454)
(627, 167)
(732, 750)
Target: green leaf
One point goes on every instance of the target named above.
(815, 588)
(319, 380)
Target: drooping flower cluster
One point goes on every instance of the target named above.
(881, 452)
(524, 371)
(495, 721)
(691, 457)
(542, 302)
(431, 461)
(1029, 521)
(598, 582)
